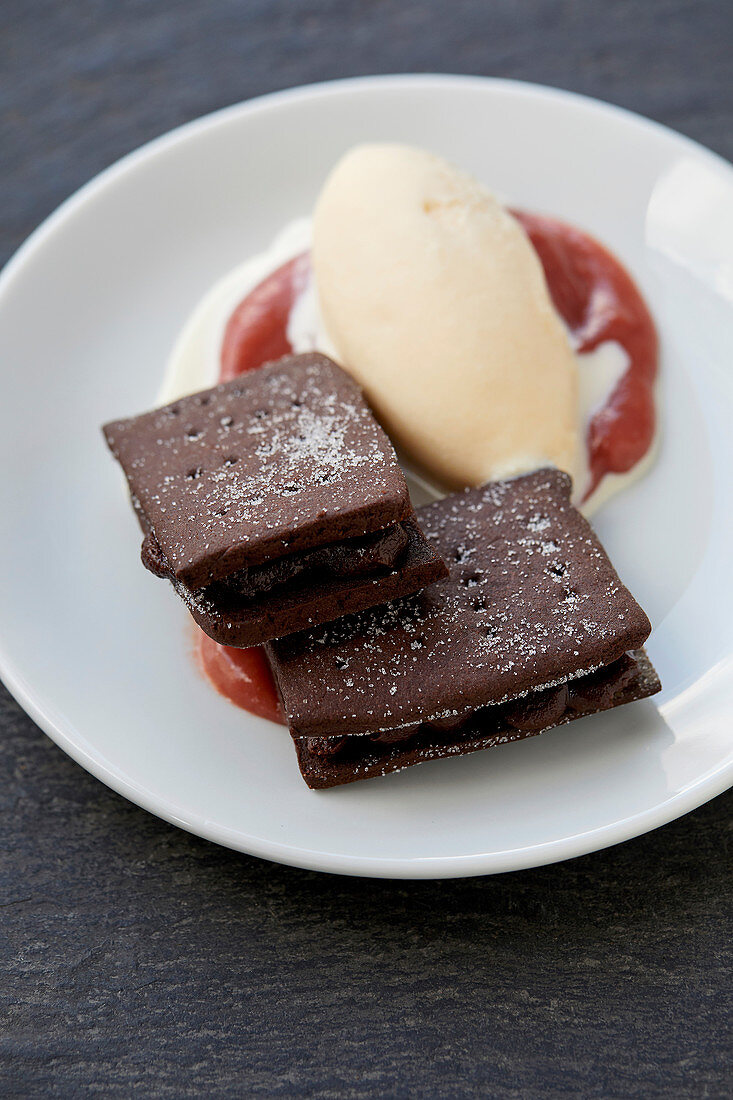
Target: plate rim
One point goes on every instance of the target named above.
(705, 787)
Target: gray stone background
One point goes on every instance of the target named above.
(138, 960)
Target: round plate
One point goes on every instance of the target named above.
(97, 650)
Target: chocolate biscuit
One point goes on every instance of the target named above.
(532, 603)
(262, 495)
(332, 761)
(228, 619)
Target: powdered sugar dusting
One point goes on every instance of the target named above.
(247, 468)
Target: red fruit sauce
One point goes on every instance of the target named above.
(241, 675)
(598, 301)
(257, 330)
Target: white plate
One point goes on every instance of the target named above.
(96, 649)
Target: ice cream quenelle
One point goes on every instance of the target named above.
(436, 302)
(469, 325)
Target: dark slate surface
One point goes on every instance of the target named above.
(140, 961)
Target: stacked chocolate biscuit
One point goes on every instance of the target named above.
(531, 629)
(276, 507)
(273, 502)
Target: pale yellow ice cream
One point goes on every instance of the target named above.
(437, 304)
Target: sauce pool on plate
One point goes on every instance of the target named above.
(241, 675)
(599, 301)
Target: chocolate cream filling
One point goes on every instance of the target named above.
(532, 713)
(376, 553)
